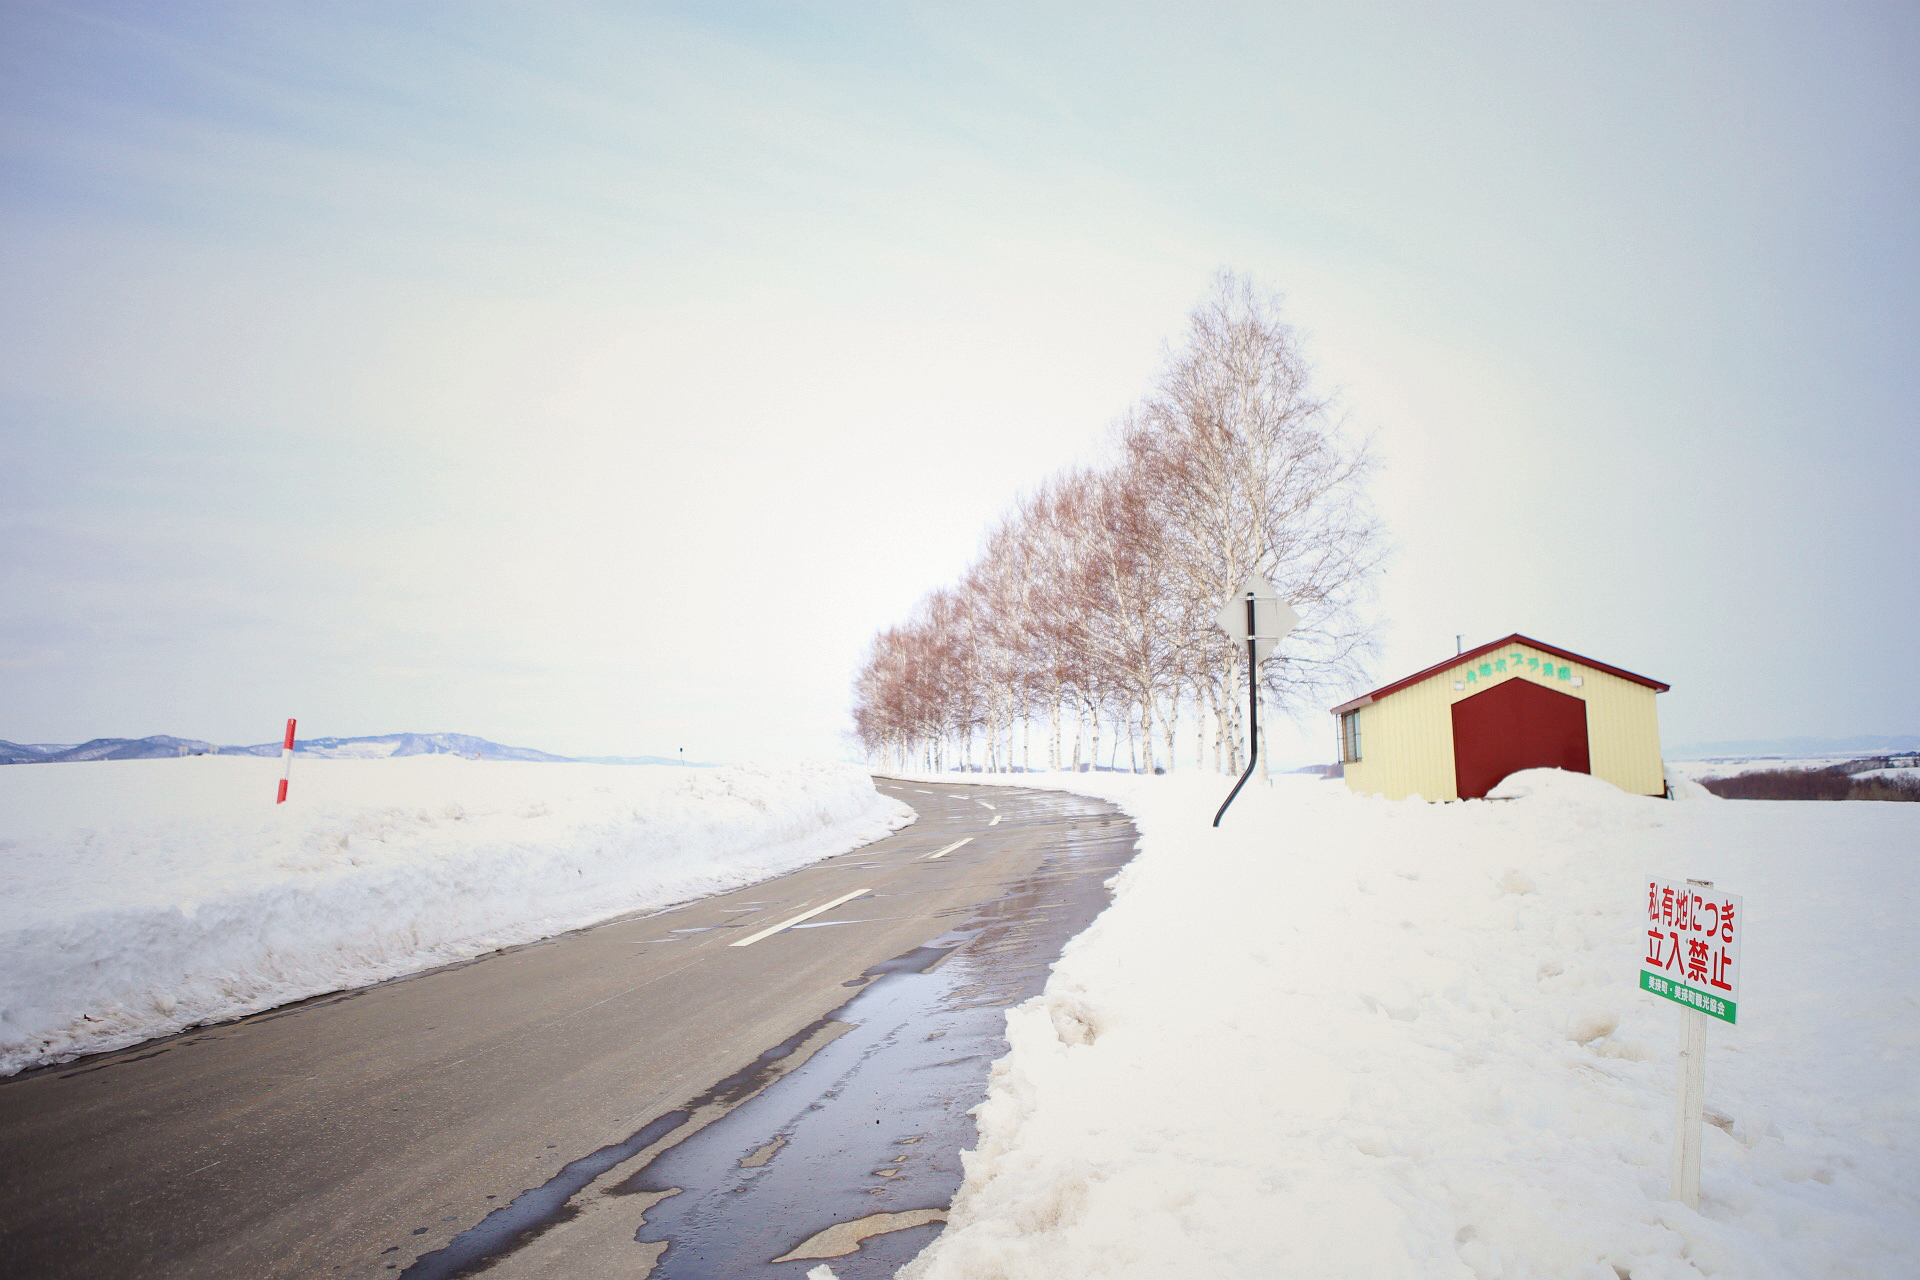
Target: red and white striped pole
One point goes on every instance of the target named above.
(286, 759)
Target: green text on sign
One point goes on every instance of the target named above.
(1692, 997)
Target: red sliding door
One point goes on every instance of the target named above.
(1516, 725)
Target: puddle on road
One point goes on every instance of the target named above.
(873, 1123)
(858, 1145)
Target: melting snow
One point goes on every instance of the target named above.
(1342, 1036)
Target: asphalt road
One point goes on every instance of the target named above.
(386, 1131)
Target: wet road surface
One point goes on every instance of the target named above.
(746, 1085)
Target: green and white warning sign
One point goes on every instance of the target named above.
(1693, 946)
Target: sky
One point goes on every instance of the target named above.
(600, 378)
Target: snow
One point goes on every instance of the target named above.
(1732, 767)
(1696, 770)
(141, 897)
(1904, 773)
(1344, 1036)
(352, 751)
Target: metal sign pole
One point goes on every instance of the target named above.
(1241, 617)
(1253, 713)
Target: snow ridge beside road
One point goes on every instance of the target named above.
(142, 897)
(1347, 1037)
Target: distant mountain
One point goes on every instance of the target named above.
(30, 753)
(1791, 748)
(404, 744)
(161, 746)
(105, 749)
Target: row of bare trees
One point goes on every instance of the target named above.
(1089, 612)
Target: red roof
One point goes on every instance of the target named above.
(1469, 655)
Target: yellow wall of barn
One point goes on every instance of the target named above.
(1406, 738)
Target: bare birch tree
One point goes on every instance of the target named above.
(1094, 598)
(1254, 475)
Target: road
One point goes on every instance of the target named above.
(505, 1114)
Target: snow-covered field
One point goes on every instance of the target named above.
(1904, 774)
(1349, 1037)
(140, 897)
(1695, 770)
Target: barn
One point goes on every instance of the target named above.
(1455, 730)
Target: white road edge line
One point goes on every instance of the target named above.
(995, 822)
(949, 849)
(804, 915)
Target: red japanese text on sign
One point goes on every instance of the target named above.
(1693, 937)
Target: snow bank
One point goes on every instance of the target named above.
(140, 897)
(1342, 1036)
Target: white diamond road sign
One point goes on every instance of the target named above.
(1273, 617)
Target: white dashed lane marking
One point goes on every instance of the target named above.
(804, 915)
(941, 853)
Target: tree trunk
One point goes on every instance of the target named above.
(1171, 725)
(1236, 732)
(1146, 730)
(1200, 720)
